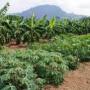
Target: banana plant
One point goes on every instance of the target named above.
(4, 31)
(50, 29)
(14, 28)
(3, 11)
(30, 30)
(41, 25)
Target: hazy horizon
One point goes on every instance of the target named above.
(70, 6)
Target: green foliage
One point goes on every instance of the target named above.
(32, 29)
(42, 63)
(4, 9)
(30, 70)
(51, 67)
(78, 46)
(72, 62)
(47, 64)
(16, 75)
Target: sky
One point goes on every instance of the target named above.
(80, 7)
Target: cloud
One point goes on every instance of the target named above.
(71, 6)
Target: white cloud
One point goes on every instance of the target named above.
(72, 6)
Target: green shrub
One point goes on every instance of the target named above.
(16, 75)
(51, 67)
(32, 69)
(77, 45)
(48, 65)
(72, 62)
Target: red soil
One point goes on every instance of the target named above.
(14, 45)
(75, 80)
(17, 46)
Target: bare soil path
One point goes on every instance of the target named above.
(76, 80)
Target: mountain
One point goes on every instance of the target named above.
(49, 10)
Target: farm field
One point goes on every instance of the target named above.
(75, 80)
(48, 63)
(35, 52)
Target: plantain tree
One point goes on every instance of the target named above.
(30, 30)
(50, 29)
(13, 26)
(4, 35)
(41, 25)
(85, 25)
